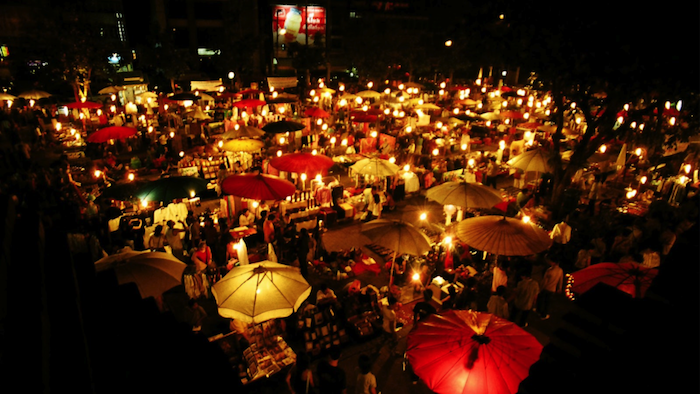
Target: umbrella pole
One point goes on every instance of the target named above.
(391, 272)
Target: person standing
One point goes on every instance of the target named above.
(300, 379)
(331, 377)
(423, 309)
(552, 282)
(491, 173)
(366, 381)
(172, 235)
(303, 245)
(157, 240)
(389, 322)
(497, 305)
(524, 298)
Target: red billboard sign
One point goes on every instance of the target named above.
(298, 23)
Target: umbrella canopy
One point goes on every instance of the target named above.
(363, 118)
(258, 186)
(316, 112)
(503, 236)
(153, 272)
(283, 126)
(302, 163)
(464, 194)
(471, 352)
(369, 94)
(197, 114)
(375, 166)
(248, 103)
(172, 188)
(243, 145)
(243, 132)
(111, 133)
(428, 106)
(110, 90)
(258, 292)
(83, 104)
(397, 235)
(6, 96)
(533, 160)
(512, 114)
(34, 94)
(632, 278)
(490, 116)
(184, 97)
(123, 191)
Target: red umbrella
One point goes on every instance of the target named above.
(85, 104)
(111, 133)
(258, 186)
(632, 278)
(302, 163)
(471, 352)
(363, 118)
(512, 114)
(248, 103)
(316, 112)
(370, 111)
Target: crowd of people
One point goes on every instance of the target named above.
(43, 179)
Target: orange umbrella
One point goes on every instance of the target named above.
(503, 236)
(258, 186)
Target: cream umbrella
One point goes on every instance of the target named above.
(375, 166)
(464, 194)
(258, 292)
(535, 160)
(398, 236)
(369, 94)
(153, 272)
(242, 145)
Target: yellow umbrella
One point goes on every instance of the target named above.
(242, 145)
(503, 236)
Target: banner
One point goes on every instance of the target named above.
(298, 24)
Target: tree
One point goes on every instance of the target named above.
(602, 62)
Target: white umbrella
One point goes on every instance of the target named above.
(6, 96)
(153, 272)
(369, 94)
(258, 292)
(34, 94)
(464, 194)
(375, 166)
(535, 160)
(110, 90)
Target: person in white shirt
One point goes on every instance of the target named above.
(561, 233)
(246, 218)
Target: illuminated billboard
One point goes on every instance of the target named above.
(300, 24)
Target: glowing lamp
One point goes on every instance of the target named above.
(406, 167)
(638, 151)
(281, 140)
(279, 153)
(344, 142)
(442, 85)
(316, 99)
(401, 86)
(303, 177)
(98, 173)
(455, 111)
(131, 176)
(150, 129)
(502, 145)
(314, 152)
(370, 84)
(416, 276)
(144, 203)
(526, 219)
(172, 134)
(436, 152)
(603, 148)
(447, 240)
(409, 129)
(672, 121)
(333, 140)
(358, 100)
(374, 134)
(643, 180)
(464, 146)
(392, 160)
(255, 204)
(471, 162)
(423, 216)
(687, 168)
(319, 122)
(324, 127)
(387, 91)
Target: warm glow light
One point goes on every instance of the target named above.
(526, 219)
(324, 127)
(679, 105)
(488, 123)
(303, 177)
(343, 102)
(341, 88)
(333, 140)
(441, 92)
(370, 84)
(406, 167)
(638, 151)
(365, 108)
(97, 173)
(387, 91)
(319, 121)
(166, 106)
(626, 107)
(401, 86)
(192, 193)
(464, 146)
(672, 121)
(131, 176)
(448, 43)
(172, 134)
(373, 134)
(279, 153)
(387, 111)
(471, 162)
(436, 152)
(281, 140)
(687, 168)
(358, 100)
(455, 111)
(603, 148)
(502, 145)
(643, 180)
(187, 103)
(447, 240)
(144, 203)
(344, 142)
(416, 276)
(423, 216)
(631, 193)
(438, 124)
(255, 204)
(478, 81)
(409, 129)
(667, 105)
(150, 129)
(526, 115)
(314, 152)
(312, 93)
(281, 109)
(182, 153)
(392, 160)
